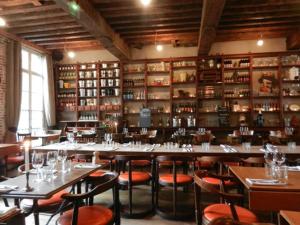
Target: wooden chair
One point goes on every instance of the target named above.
(13, 161)
(93, 214)
(219, 210)
(131, 178)
(173, 180)
(43, 205)
(226, 221)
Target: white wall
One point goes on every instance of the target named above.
(148, 52)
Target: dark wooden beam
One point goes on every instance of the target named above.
(211, 14)
(30, 23)
(141, 33)
(293, 41)
(93, 22)
(35, 16)
(63, 42)
(61, 37)
(84, 45)
(62, 31)
(28, 10)
(44, 28)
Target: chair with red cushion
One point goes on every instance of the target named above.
(129, 178)
(173, 180)
(93, 214)
(215, 211)
(49, 205)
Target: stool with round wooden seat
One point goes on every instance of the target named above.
(219, 210)
(129, 178)
(173, 180)
(93, 214)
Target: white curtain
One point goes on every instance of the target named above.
(49, 92)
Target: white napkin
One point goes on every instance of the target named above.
(263, 182)
(110, 148)
(294, 168)
(6, 188)
(86, 166)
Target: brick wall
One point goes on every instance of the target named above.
(2, 86)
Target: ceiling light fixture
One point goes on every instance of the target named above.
(260, 41)
(2, 22)
(74, 6)
(145, 2)
(159, 48)
(71, 54)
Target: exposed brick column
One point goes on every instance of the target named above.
(2, 86)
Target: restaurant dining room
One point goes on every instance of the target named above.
(142, 112)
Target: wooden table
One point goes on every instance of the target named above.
(270, 198)
(289, 217)
(45, 137)
(214, 150)
(45, 189)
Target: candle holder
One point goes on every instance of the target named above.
(27, 188)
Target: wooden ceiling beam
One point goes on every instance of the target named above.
(262, 17)
(257, 29)
(63, 42)
(28, 10)
(259, 24)
(30, 23)
(293, 40)
(61, 37)
(61, 31)
(159, 31)
(250, 4)
(35, 16)
(154, 27)
(76, 46)
(210, 17)
(25, 42)
(154, 19)
(44, 28)
(90, 19)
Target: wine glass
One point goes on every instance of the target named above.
(37, 163)
(279, 158)
(51, 160)
(62, 155)
(70, 137)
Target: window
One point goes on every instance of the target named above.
(32, 110)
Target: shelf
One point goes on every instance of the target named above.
(108, 78)
(263, 97)
(158, 86)
(237, 68)
(110, 68)
(238, 112)
(204, 112)
(73, 88)
(184, 67)
(159, 99)
(158, 113)
(291, 65)
(131, 114)
(87, 121)
(210, 70)
(87, 110)
(68, 79)
(291, 96)
(134, 100)
(180, 98)
(136, 86)
(140, 72)
(66, 97)
(88, 69)
(87, 87)
(265, 67)
(92, 78)
(110, 96)
(107, 87)
(184, 113)
(291, 81)
(255, 111)
(158, 73)
(210, 83)
(187, 82)
(226, 98)
(88, 97)
(291, 111)
(201, 98)
(237, 83)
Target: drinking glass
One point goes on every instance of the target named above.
(51, 160)
(37, 163)
(291, 146)
(246, 146)
(70, 137)
(279, 158)
(62, 155)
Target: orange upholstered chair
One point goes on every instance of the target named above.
(173, 180)
(219, 210)
(93, 214)
(129, 178)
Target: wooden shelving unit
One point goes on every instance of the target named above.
(198, 86)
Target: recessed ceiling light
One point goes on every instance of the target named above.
(260, 42)
(2, 22)
(159, 48)
(71, 54)
(145, 2)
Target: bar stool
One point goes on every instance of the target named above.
(173, 180)
(131, 178)
(93, 214)
(215, 211)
